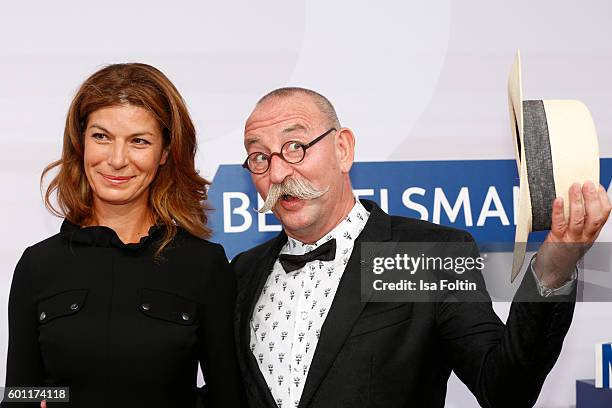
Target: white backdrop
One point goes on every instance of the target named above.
(418, 80)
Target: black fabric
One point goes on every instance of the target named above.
(538, 158)
(325, 252)
(396, 355)
(120, 328)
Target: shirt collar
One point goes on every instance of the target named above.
(345, 232)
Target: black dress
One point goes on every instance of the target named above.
(119, 327)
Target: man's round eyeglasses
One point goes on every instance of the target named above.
(292, 152)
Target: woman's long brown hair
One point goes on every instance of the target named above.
(177, 194)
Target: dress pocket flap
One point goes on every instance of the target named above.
(167, 306)
(61, 304)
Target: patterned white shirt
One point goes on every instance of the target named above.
(292, 307)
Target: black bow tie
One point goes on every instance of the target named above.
(326, 252)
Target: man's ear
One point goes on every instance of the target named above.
(164, 157)
(345, 149)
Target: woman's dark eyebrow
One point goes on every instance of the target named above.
(99, 127)
(110, 133)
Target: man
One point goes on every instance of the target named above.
(304, 337)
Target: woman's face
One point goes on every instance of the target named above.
(123, 150)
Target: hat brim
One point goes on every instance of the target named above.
(523, 210)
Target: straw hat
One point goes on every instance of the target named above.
(555, 144)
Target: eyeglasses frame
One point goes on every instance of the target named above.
(305, 147)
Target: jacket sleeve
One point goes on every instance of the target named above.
(24, 367)
(217, 355)
(504, 365)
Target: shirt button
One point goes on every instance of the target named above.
(146, 306)
(74, 306)
(43, 316)
(185, 316)
(304, 315)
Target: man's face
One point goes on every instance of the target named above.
(277, 121)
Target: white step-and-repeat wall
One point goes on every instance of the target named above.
(422, 84)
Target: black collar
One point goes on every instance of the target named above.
(102, 236)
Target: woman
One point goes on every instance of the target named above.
(124, 302)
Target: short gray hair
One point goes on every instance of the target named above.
(324, 105)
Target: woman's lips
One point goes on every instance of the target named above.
(116, 180)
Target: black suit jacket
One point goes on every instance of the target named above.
(401, 354)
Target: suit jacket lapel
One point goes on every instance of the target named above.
(252, 289)
(347, 305)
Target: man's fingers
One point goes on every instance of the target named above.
(558, 223)
(576, 212)
(605, 201)
(43, 404)
(594, 215)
